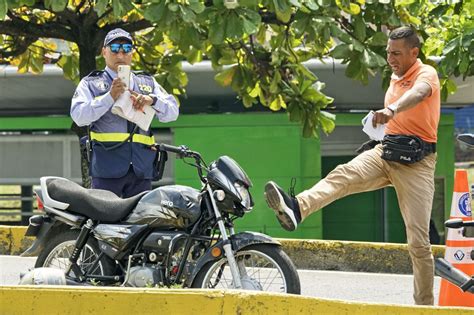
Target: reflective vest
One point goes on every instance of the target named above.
(113, 151)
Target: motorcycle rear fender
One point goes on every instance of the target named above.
(47, 229)
(238, 241)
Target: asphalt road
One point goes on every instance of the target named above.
(348, 286)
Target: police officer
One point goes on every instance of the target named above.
(122, 157)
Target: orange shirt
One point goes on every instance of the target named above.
(421, 120)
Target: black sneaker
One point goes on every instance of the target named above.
(286, 207)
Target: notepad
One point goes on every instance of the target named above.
(376, 133)
(123, 107)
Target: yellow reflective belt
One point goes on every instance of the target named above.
(148, 140)
(120, 137)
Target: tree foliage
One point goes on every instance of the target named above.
(257, 47)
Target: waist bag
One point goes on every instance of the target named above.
(405, 149)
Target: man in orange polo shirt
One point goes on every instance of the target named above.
(412, 108)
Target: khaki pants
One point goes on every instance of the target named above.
(414, 185)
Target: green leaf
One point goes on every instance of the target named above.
(283, 10)
(278, 103)
(451, 45)
(359, 28)
(328, 121)
(217, 31)
(237, 80)
(353, 68)
(301, 24)
(274, 86)
(313, 96)
(101, 6)
(154, 12)
(3, 9)
(341, 51)
(224, 78)
(308, 127)
(117, 8)
(248, 101)
(194, 55)
(58, 5)
(378, 39)
(187, 14)
(340, 34)
(173, 7)
(311, 4)
(464, 64)
(197, 6)
(295, 112)
(250, 26)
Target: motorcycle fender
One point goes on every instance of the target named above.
(43, 234)
(238, 241)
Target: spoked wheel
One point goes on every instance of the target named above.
(262, 267)
(59, 249)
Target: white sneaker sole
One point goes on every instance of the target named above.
(275, 200)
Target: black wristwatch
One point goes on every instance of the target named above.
(393, 108)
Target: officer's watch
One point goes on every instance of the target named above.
(393, 108)
(154, 98)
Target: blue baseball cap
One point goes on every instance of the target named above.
(117, 33)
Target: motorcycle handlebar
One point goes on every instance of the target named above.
(181, 151)
(458, 223)
(170, 148)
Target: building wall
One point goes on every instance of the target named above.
(269, 147)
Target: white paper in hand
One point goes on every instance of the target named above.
(376, 133)
(123, 107)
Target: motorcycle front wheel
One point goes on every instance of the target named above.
(262, 267)
(60, 247)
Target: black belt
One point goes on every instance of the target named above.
(429, 147)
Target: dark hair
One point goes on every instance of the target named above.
(408, 34)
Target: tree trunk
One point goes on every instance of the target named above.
(86, 65)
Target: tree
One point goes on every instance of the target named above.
(256, 46)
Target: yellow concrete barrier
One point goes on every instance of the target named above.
(13, 240)
(60, 300)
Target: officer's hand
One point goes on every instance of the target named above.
(117, 88)
(140, 100)
(382, 116)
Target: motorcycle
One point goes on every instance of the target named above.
(445, 269)
(170, 236)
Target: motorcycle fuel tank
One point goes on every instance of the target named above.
(172, 206)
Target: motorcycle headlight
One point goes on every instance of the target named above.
(245, 195)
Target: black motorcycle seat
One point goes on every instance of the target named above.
(96, 204)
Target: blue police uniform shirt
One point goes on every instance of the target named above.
(91, 106)
(86, 108)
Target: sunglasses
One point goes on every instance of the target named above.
(126, 48)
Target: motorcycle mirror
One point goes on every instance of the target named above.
(466, 138)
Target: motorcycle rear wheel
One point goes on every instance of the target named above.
(60, 247)
(268, 268)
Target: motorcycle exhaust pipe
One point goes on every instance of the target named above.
(446, 271)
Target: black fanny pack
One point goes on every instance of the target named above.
(405, 149)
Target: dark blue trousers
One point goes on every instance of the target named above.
(126, 186)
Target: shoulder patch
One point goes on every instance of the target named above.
(141, 73)
(94, 74)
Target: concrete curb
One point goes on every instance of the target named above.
(306, 254)
(352, 256)
(59, 300)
